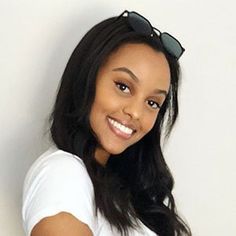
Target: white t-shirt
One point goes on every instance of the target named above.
(58, 181)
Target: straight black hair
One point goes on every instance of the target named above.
(136, 184)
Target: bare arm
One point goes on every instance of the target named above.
(62, 224)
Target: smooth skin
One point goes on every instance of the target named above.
(130, 88)
(62, 224)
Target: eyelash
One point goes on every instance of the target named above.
(119, 84)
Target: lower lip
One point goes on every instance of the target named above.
(117, 132)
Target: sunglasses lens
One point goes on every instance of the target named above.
(171, 45)
(139, 24)
(142, 26)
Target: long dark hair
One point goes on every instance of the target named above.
(137, 183)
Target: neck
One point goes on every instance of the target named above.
(101, 156)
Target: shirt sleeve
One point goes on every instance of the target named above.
(54, 184)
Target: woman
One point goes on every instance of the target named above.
(106, 174)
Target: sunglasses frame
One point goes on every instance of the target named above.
(154, 32)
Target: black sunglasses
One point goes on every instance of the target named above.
(141, 25)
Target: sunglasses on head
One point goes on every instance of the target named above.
(141, 25)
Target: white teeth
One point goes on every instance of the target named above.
(120, 126)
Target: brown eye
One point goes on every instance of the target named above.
(123, 87)
(154, 104)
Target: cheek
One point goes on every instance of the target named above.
(149, 122)
(107, 102)
(104, 104)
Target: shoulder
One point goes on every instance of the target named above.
(59, 166)
(54, 157)
(57, 181)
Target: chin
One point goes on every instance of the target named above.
(116, 151)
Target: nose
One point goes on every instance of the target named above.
(134, 109)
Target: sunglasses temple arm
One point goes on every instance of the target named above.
(122, 14)
(157, 30)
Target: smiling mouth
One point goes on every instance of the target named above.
(119, 129)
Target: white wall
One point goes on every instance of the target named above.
(36, 40)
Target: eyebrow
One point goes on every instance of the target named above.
(135, 78)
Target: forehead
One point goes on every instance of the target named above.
(142, 60)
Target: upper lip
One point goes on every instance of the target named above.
(125, 123)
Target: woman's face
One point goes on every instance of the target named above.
(130, 89)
